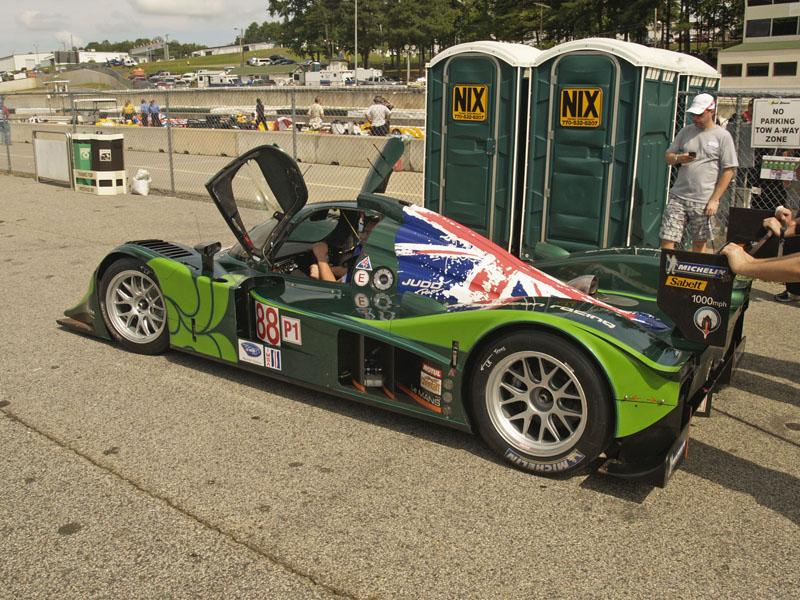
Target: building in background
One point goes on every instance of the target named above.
(767, 59)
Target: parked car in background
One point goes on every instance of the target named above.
(377, 81)
(142, 84)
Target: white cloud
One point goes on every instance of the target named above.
(36, 20)
(183, 8)
(69, 39)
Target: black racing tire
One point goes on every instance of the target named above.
(133, 307)
(540, 403)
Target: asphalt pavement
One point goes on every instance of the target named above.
(129, 476)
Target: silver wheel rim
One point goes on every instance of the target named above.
(135, 307)
(536, 403)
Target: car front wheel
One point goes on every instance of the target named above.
(133, 307)
(540, 403)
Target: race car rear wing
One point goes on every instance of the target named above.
(696, 290)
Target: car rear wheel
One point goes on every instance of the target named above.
(133, 307)
(540, 403)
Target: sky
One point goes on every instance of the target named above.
(58, 24)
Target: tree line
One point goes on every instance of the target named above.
(324, 29)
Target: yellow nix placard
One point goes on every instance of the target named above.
(581, 107)
(689, 284)
(470, 102)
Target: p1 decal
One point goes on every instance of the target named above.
(581, 107)
(267, 324)
(470, 102)
(272, 358)
(365, 264)
(290, 331)
(251, 352)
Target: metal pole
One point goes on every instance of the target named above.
(7, 131)
(355, 54)
(74, 114)
(169, 144)
(294, 127)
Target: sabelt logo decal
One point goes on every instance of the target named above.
(677, 267)
(689, 284)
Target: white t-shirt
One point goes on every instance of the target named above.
(715, 151)
(377, 114)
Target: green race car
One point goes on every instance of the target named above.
(554, 365)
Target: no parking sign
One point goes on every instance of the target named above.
(776, 123)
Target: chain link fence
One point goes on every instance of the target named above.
(748, 188)
(200, 130)
(203, 129)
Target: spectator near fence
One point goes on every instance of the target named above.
(155, 110)
(707, 158)
(378, 114)
(316, 114)
(144, 110)
(261, 121)
(128, 111)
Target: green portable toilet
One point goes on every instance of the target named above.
(476, 134)
(602, 116)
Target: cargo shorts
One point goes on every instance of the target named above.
(678, 213)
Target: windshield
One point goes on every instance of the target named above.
(258, 210)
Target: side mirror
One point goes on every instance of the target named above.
(207, 251)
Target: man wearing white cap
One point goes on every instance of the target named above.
(707, 158)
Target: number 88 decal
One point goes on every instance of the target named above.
(267, 328)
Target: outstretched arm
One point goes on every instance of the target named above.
(781, 269)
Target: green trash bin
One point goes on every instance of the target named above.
(82, 156)
(99, 163)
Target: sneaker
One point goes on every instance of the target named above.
(786, 296)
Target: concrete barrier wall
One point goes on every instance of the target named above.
(400, 96)
(312, 148)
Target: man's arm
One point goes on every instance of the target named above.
(320, 250)
(782, 269)
(723, 181)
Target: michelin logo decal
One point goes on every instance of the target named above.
(677, 267)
